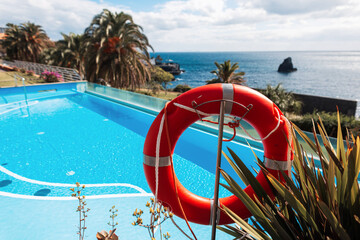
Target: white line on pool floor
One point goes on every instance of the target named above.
(24, 179)
(120, 195)
(15, 108)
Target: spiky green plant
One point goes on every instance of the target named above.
(320, 201)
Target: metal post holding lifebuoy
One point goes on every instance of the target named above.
(217, 172)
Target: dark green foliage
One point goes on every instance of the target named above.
(316, 203)
(181, 88)
(112, 48)
(215, 80)
(283, 99)
(329, 120)
(68, 52)
(155, 88)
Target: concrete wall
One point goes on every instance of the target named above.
(310, 102)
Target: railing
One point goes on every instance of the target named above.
(153, 105)
(68, 74)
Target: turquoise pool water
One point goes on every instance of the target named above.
(67, 136)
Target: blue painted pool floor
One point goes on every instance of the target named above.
(61, 146)
(57, 220)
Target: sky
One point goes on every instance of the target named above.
(207, 25)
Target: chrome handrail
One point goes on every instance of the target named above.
(23, 82)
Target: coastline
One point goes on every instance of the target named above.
(332, 74)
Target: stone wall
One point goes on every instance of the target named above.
(310, 102)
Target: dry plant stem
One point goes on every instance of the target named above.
(113, 215)
(158, 214)
(81, 209)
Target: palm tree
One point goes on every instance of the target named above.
(25, 42)
(225, 73)
(11, 41)
(68, 52)
(35, 41)
(117, 51)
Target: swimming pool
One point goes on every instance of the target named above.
(66, 135)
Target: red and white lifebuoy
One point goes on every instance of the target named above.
(264, 116)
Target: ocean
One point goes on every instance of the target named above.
(329, 74)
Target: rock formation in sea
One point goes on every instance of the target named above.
(171, 67)
(286, 66)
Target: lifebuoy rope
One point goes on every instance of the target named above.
(269, 134)
(173, 171)
(208, 115)
(230, 124)
(157, 161)
(157, 157)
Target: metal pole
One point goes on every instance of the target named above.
(217, 174)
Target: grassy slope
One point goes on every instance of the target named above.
(161, 94)
(7, 79)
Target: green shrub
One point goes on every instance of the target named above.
(316, 203)
(181, 88)
(160, 76)
(283, 99)
(329, 120)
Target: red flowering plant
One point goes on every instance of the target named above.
(51, 76)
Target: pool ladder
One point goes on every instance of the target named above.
(16, 77)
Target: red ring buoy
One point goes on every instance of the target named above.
(264, 116)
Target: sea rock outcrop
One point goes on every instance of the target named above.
(287, 66)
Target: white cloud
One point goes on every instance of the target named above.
(286, 7)
(54, 16)
(210, 25)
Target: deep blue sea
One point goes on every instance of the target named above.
(329, 74)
